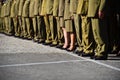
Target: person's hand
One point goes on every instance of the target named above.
(72, 17)
(100, 14)
(16, 17)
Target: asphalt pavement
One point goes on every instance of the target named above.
(22, 59)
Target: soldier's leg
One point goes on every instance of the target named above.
(53, 29)
(3, 25)
(60, 36)
(87, 38)
(20, 31)
(77, 22)
(6, 25)
(41, 29)
(101, 38)
(24, 31)
(10, 26)
(35, 29)
(48, 32)
(15, 27)
(27, 20)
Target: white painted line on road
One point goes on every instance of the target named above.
(39, 63)
(96, 61)
(118, 61)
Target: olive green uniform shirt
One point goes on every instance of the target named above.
(43, 9)
(37, 7)
(82, 8)
(21, 3)
(26, 9)
(31, 8)
(55, 7)
(67, 10)
(13, 10)
(61, 8)
(49, 6)
(95, 6)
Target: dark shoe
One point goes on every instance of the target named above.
(35, 40)
(46, 43)
(114, 52)
(71, 50)
(53, 45)
(78, 52)
(87, 54)
(63, 48)
(41, 41)
(9, 34)
(16, 35)
(92, 57)
(100, 58)
(118, 54)
(29, 38)
(59, 46)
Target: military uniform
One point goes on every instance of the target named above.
(59, 31)
(7, 17)
(53, 27)
(17, 10)
(47, 25)
(33, 19)
(87, 38)
(68, 21)
(13, 15)
(39, 20)
(20, 9)
(69, 27)
(99, 28)
(61, 12)
(26, 21)
(55, 22)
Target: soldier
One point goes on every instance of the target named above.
(39, 21)
(13, 15)
(9, 29)
(70, 43)
(26, 21)
(53, 28)
(99, 29)
(17, 20)
(86, 47)
(33, 20)
(20, 9)
(56, 5)
(113, 29)
(62, 23)
(47, 25)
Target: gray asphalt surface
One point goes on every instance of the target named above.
(22, 59)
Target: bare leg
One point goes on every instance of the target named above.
(66, 40)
